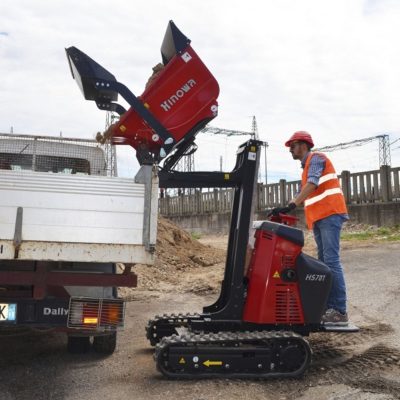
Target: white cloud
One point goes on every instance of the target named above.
(330, 67)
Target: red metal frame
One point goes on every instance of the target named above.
(41, 278)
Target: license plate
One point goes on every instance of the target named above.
(8, 312)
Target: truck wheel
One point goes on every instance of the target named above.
(105, 344)
(78, 344)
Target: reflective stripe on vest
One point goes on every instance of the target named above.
(327, 199)
(326, 177)
(321, 196)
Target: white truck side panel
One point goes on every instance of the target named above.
(95, 218)
(82, 252)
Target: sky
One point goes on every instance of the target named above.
(329, 67)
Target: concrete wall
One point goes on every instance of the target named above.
(382, 214)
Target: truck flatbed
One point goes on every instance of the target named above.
(80, 218)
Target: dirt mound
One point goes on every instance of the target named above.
(182, 264)
(176, 247)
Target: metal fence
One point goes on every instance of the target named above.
(377, 186)
(55, 155)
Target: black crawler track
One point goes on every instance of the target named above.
(233, 355)
(166, 325)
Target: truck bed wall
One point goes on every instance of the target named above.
(73, 218)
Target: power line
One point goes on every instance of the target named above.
(230, 132)
(342, 146)
(226, 132)
(384, 147)
(395, 141)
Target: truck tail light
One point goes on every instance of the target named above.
(96, 314)
(111, 313)
(90, 312)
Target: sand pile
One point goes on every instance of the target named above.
(182, 264)
(176, 247)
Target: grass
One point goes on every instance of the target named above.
(195, 235)
(386, 234)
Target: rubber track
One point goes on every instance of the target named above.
(226, 339)
(165, 325)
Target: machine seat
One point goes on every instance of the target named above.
(294, 235)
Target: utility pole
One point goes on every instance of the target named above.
(384, 150)
(254, 128)
(111, 152)
(188, 163)
(253, 134)
(265, 145)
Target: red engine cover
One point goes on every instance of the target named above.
(270, 300)
(183, 94)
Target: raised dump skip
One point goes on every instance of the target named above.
(182, 95)
(178, 101)
(72, 215)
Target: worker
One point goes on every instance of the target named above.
(325, 211)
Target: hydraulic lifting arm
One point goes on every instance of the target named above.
(243, 179)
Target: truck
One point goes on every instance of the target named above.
(70, 233)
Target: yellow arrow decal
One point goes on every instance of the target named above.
(182, 361)
(209, 363)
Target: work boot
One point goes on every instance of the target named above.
(334, 318)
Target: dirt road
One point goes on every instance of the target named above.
(354, 366)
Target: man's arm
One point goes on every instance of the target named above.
(317, 164)
(304, 193)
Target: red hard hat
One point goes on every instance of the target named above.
(301, 136)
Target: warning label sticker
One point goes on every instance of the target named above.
(186, 57)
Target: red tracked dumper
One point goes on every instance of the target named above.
(256, 328)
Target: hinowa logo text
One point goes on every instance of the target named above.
(167, 104)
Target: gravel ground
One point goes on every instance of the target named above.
(358, 366)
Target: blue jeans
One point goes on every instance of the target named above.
(327, 237)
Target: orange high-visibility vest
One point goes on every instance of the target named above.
(328, 198)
